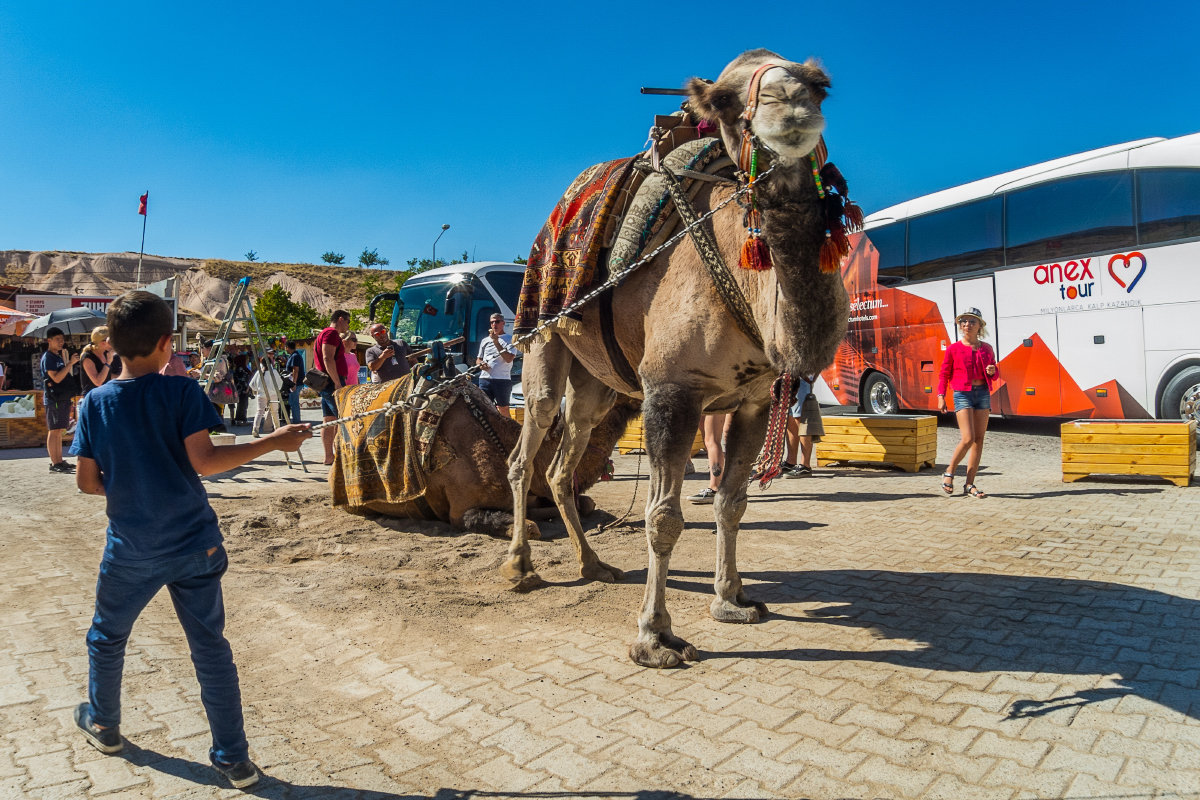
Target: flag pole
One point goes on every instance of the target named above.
(142, 210)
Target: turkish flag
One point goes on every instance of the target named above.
(142, 203)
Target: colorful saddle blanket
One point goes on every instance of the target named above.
(562, 262)
(382, 463)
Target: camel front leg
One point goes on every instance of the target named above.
(670, 415)
(588, 401)
(743, 443)
(547, 366)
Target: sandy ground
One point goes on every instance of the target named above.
(412, 578)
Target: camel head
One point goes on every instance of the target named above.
(788, 118)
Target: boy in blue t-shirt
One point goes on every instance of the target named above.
(140, 441)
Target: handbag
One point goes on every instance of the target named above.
(222, 392)
(317, 380)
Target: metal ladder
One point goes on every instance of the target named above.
(240, 309)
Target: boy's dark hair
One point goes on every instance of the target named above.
(52, 332)
(339, 314)
(136, 322)
(291, 345)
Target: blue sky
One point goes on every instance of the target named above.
(293, 129)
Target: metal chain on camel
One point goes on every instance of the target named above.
(418, 400)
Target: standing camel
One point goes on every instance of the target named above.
(698, 361)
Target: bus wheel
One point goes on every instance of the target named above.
(1181, 398)
(879, 396)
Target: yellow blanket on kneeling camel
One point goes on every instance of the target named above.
(382, 462)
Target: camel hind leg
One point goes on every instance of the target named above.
(588, 401)
(742, 447)
(544, 378)
(670, 416)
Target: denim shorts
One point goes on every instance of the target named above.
(977, 398)
(498, 389)
(329, 407)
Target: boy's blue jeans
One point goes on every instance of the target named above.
(194, 581)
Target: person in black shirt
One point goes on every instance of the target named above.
(99, 363)
(58, 388)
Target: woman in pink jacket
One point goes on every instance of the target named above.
(969, 369)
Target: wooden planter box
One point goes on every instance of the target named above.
(23, 431)
(907, 441)
(634, 438)
(1129, 447)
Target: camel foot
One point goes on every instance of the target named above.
(520, 574)
(532, 530)
(662, 651)
(599, 571)
(585, 505)
(740, 610)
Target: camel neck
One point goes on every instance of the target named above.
(802, 311)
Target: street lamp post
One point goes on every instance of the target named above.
(435, 241)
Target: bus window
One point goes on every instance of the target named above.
(889, 241)
(507, 286)
(1070, 217)
(1168, 204)
(956, 240)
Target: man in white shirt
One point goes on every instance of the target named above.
(496, 356)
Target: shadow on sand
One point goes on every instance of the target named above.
(277, 789)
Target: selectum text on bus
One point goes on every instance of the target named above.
(1087, 269)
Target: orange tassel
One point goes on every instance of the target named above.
(755, 255)
(854, 216)
(840, 241)
(831, 259)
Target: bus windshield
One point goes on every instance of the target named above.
(424, 313)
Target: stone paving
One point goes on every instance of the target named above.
(1040, 644)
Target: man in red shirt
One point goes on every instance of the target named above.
(329, 350)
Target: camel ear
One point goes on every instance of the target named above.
(713, 102)
(815, 77)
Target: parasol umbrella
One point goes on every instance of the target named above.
(70, 320)
(13, 322)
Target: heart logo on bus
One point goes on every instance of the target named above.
(1127, 268)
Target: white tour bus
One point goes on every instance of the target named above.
(1085, 269)
(452, 302)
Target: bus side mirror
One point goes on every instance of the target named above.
(458, 294)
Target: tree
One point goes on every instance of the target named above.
(423, 264)
(520, 260)
(371, 258)
(251, 256)
(331, 257)
(377, 283)
(276, 312)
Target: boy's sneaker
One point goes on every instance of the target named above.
(106, 740)
(798, 471)
(64, 467)
(240, 775)
(704, 497)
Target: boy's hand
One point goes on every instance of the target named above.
(290, 437)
